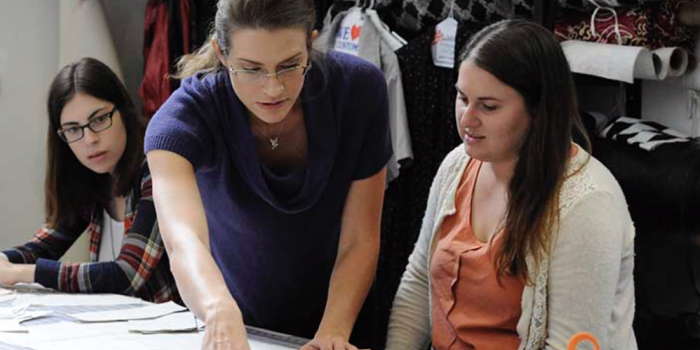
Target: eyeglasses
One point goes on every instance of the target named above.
(96, 124)
(286, 75)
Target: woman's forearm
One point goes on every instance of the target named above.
(352, 277)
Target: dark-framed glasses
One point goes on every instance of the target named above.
(259, 76)
(97, 124)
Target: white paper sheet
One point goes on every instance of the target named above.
(11, 312)
(13, 326)
(83, 300)
(7, 297)
(55, 333)
(139, 313)
(11, 322)
(173, 323)
(26, 288)
(183, 341)
(111, 336)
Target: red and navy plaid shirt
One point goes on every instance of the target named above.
(142, 268)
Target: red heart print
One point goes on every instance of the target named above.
(355, 32)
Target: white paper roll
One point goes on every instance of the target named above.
(624, 63)
(674, 62)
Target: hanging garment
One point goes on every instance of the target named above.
(178, 32)
(166, 38)
(644, 134)
(155, 87)
(373, 49)
(202, 13)
(430, 97)
(662, 189)
(417, 15)
(653, 26)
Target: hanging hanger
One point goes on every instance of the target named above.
(390, 38)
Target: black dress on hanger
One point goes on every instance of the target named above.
(430, 97)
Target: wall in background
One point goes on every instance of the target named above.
(125, 20)
(28, 63)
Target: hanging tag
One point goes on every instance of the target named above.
(443, 46)
(347, 38)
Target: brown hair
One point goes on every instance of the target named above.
(72, 190)
(527, 57)
(255, 14)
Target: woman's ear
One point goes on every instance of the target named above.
(314, 35)
(219, 53)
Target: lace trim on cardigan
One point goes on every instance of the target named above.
(575, 187)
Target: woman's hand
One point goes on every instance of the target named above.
(328, 342)
(225, 331)
(15, 273)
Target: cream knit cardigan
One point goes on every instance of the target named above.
(585, 284)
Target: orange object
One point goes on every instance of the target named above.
(582, 336)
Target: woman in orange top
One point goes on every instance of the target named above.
(526, 239)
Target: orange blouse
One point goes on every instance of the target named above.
(470, 310)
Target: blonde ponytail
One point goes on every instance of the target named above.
(203, 60)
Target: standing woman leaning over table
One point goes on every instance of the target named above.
(269, 172)
(97, 183)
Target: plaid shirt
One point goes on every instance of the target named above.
(142, 268)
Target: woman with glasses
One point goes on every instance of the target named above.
(97, 183)
(268, 168)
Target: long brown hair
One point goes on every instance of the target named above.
(251, 14)
(527, 57)
(72, 190)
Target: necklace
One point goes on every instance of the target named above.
(275, 141)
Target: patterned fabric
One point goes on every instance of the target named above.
(653, 26)
(417, 15)
(644, 134)
(585, 5)
(142, 268)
